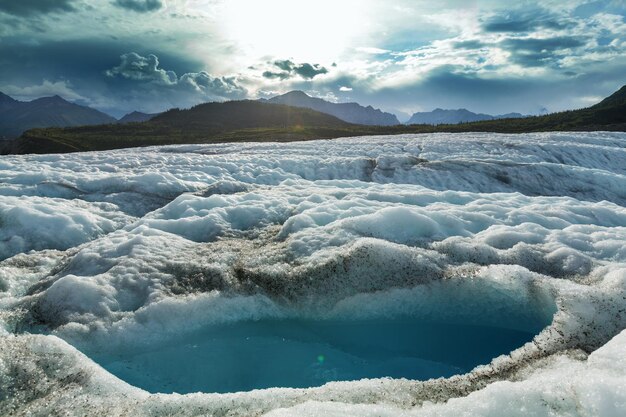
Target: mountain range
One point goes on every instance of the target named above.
(349, 112)
(445, 117)
(137, 117)
(19, 116)
(243, 114)
(239, 121)
(16, 116)
(229, 121)
(357, 114)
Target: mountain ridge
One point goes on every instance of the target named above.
(17, 117)
(247, 121)
(349, 112)
(136, 117)
(618, 98)
(454, 116)
(208, 122)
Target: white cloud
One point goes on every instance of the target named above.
(371, 50)
(139, 68)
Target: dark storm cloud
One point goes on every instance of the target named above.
(141, 6)
(531, 52)
(159, 73)
(285, 65)
(86, 59)
(525, 20)
(289, 69)
(547, 44)
(276, 75)
(32, 7)
(309, 71)
(84, 64)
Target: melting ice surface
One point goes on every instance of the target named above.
(375, 263)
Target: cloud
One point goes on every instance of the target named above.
(525, 20)
(188, 89)
(469, 44)
(289, 69)
(285, 65)
(531, 52)
(372, 50)
(137, 67)
(209, 85)
(141, 6)
(309, 71)
(405, 57)
(545, 44)
(276, 75)
(33, 7)
(345, 89)
(562, 61)
(46, 88)
(85, 62)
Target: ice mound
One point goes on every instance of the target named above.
(145, 253)
(36, 223)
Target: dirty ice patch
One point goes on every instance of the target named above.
(202, 219)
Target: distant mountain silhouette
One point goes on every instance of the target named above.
(349, 112)
(19, 116)
(7, 102)
(242, 115)
(446, 117)
(246, 121)
(136, 117)
(616, 100)
(207, 122)
(402, 116)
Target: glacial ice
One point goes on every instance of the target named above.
(136, 251)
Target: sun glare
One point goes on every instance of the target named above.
(310, 31)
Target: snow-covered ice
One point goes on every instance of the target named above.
(107, 253)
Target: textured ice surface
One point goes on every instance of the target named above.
(137, 249)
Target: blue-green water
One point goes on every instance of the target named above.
(303, 353)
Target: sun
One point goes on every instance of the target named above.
(316, 32)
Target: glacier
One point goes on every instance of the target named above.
(148, 253)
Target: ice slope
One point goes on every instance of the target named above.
(137, 247)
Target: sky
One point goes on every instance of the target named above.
(403, 56)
